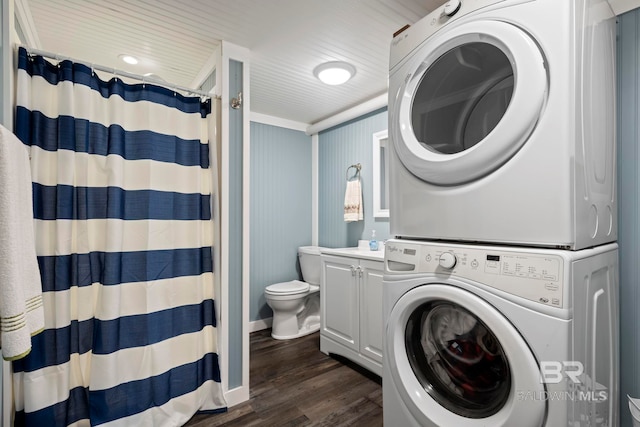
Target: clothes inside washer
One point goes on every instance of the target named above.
(464, 355)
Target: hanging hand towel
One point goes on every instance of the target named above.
(353, 202)
(21, 312)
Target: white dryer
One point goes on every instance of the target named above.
(499, 336)
(502, 122)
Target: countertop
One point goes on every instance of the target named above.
(361, 251)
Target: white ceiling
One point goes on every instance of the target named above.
(175, 39)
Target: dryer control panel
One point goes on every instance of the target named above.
(407, 40)
(534, 275)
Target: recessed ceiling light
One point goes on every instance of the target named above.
(334, 72)
(154, 76)
(129, 59)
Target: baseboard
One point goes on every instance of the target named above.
(236, 396)
(259, 325)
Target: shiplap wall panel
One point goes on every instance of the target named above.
(209, 83)
(629, 207)
(340, 147)
(280, 208)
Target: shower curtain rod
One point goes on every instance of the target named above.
(117, 72)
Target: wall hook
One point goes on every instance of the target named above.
(236, 103)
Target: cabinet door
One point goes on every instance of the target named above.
(371, 321)
(339, 300)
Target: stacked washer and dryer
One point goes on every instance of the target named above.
(500, 285)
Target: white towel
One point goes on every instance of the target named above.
(353, 202)
(21, 311)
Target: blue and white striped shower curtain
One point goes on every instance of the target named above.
(122, 187)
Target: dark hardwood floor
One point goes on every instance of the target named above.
(293, 384)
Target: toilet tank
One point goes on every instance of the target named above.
(310, 264)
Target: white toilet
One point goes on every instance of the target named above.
(296, 304)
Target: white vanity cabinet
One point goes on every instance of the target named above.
(371, 322)
(351, 304)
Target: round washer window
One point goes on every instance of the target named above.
(461, 97)
(457, 359)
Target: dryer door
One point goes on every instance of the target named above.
(457, 361)
(467, 100)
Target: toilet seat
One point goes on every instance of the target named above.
(313, 288)
(293, 287)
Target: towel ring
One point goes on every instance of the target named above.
(357, 167)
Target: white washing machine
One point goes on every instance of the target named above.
(502, 118)
(499, 336)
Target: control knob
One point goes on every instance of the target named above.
(447, 260)
(452, 7)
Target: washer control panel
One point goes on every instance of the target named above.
(536, 276)
(447, 260)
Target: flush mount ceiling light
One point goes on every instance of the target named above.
(128, 59)
(334, 73)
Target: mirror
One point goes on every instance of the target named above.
(380, 175)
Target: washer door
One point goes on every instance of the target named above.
(456, 360)
(470, 100)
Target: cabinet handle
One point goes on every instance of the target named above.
(353, 270)
(359, 272)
